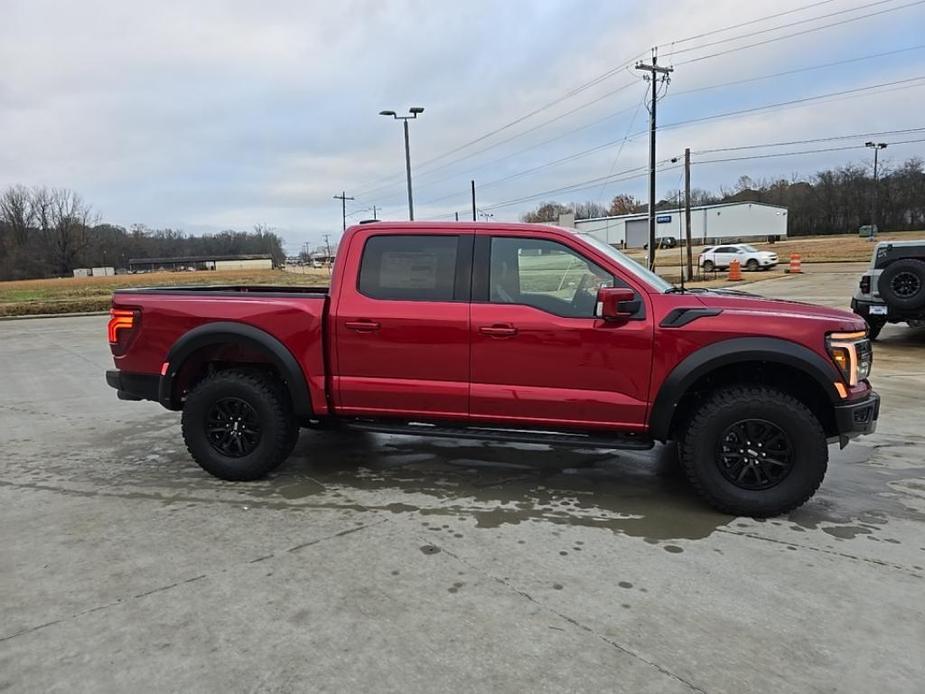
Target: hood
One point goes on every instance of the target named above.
(752, 304)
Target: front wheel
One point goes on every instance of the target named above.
(754, 451)
(238, 425)
(752, 265)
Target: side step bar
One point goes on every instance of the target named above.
(633, 442)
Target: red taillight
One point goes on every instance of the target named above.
(865, 284)
(119, 320)
(123, 326)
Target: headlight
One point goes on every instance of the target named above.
(852, 354)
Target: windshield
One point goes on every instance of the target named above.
(628, 264)
(750, 249)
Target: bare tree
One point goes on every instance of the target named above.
(68, 222)
(16, 212)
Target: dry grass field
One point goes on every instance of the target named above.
(72, 295)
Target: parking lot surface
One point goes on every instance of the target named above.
(387, 563)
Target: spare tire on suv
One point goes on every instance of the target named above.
(902, 284)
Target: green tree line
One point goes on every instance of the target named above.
(47, 232)
(833, 201)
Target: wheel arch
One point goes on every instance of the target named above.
(237, 337)
(768, 360)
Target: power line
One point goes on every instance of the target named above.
(622, 141)
(577, 90)
(640, 171)
(766, 30)
(806, 68)
(750, 22)
(799, 33)
(510, 139)
(800, 152)
(808, 141)
(391, 181)
(793, 102)
(850, 92)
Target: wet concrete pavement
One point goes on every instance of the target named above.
(387, 563)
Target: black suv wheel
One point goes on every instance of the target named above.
(902, 284)
(238, 425)
(754, 451)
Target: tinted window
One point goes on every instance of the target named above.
(409, 268)
(546, 275)
(725, 249)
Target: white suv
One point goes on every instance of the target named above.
(750, 258)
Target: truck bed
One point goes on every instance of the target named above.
(294, 316)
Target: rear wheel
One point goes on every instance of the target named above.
(754, 450)
(708, 266)
(238, 425)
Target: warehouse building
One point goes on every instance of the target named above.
(710, 224)
(202, 262)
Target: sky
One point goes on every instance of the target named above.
(211, 115)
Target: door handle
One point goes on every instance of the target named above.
(498, 330)
(362, 326)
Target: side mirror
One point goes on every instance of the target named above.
(617, 303)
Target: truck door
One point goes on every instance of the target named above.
(401, 340)
(539, 354)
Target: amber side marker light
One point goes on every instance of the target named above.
(119, 319)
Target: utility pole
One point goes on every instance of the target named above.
(374, 212)
(343, 206)
(876, 146)
(654, 69)
(472, 183)
(457, 216)
(687, 212)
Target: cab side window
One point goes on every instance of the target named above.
(546, 275)
(409, 268)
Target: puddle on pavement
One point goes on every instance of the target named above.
(639, 494)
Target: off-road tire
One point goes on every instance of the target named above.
(752, 265)
(708, 266)
(902, 284)
(272, 412)
(700, 439)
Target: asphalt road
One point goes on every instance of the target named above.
(377, 563)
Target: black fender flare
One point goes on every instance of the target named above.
(222, 332)
(726, 352)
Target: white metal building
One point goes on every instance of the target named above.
(720, 223)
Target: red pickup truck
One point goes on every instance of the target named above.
(508, 332)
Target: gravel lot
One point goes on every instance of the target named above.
(377, 563)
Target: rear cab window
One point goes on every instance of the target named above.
(415, 267)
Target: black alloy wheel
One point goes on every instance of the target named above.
(754, 454)
(233, 427)
(906, 285)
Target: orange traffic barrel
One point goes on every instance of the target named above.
(735, 271)
(794, 264)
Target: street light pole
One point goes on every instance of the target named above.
(876, 146)
(414, 111)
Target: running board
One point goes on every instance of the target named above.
(633, 442)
